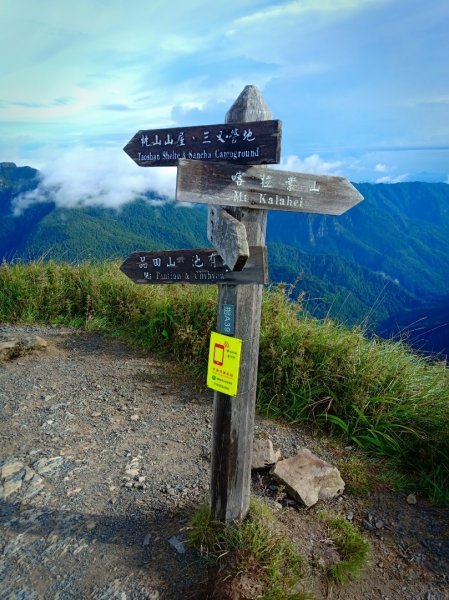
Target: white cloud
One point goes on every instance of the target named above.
(333, 71)
(289, 9)
(311, 164)
(100, 177)
(393, 178)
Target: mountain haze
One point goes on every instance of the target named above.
(382, 265)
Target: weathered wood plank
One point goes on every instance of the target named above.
(257, 187)
(243, 143)
(234, 416)
(200, 266)
(228, 236)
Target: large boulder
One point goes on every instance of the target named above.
(308, 478)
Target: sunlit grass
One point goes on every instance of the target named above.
(379, 395)
(352, 547)
(251, 547)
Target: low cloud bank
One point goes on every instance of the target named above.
(97, 177)
(107, 177)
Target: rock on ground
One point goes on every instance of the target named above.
(308, 478)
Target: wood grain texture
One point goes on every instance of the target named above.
(234, 416)
(243, 143)
(228, 236)
(200, 266)
(258, 187)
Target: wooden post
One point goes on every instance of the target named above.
(234, 416)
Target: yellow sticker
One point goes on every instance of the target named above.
(224, 363)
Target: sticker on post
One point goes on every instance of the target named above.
(224, 363)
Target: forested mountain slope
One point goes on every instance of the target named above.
(381, 261)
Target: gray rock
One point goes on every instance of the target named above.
(29, 474)
(11, 486)
(35, 486)
(45, 466)
(33, 342)
(11, 467)
(132, 473)
(308, 478)
(14, 346)
(8, 348)
(263, 453)
(177, 544)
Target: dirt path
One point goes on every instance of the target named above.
(104, 455)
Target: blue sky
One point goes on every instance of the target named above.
(362, 86)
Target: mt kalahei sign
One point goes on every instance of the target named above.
(386, 257)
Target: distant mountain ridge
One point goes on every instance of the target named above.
(383, 260)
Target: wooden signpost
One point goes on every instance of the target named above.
(241, 143)
(239, 196)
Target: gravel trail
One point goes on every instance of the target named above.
(104, 455)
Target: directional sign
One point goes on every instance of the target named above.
(198, 266)
(259, 187)
(252, 143)
(228, 237)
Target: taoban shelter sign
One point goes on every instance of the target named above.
(259, 187)
(241, 143)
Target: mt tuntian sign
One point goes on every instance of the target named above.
(197, 266)
(253, 143)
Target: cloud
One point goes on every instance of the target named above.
(119, 107)
(97, 177)
(296, 7)
(393, 178)
(381, 168)
(312, 164)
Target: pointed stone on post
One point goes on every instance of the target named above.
(234, 416)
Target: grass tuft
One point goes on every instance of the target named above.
(358, 473)
(352, 547)
(250, 548)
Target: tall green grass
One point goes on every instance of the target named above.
(175, 320)
(386, 399)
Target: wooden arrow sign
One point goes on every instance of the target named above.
(198, 266)
(259, 187)
(252, 143)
